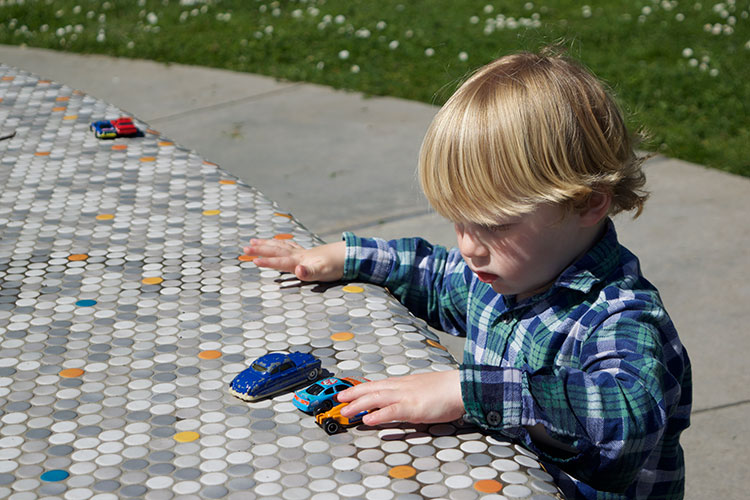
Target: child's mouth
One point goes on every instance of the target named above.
(486, 277)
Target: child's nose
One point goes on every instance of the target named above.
(470, 245)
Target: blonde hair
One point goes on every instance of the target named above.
(523, 130)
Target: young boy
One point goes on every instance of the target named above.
(569, 349)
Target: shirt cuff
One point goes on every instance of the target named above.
(493, 397)
(367, 259)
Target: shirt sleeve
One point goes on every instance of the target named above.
(612, 407)
(428, 279)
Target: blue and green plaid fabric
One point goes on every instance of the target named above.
(595, 359)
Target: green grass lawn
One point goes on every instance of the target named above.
(681, 70)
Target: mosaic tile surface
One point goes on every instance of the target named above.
(126, 309)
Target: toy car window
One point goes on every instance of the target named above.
(286, 366)
(314, 389)
(341, 387)
(259, 368)
(329, 390)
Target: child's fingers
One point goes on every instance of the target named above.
(368, 396)
(271, 248)
(285, 264)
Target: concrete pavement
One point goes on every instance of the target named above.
(340, 161)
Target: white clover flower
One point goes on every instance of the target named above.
(728, 30)
(393, 45)
(59, 13)
(60, 32)
(90, 14)
(429, 52)
(152, 18)
(339, 19)
(408, 33)
(731, 20)
(528, 5)
(344, 54)
(322, 25)
(258, 35)
(703, 66)
(693, 62)
(262, 9)
(313, 11)
(44, 28)
(488, 8)
(716, 29)
(687, 52)
(320, 65)
(268, 29)
(130, 44)
(101, 37)
(362, 33)
(714, 72)
(355, 68)
(297, 13)
(194, 12)
(77, 9)
(679, 17)
(489, 29)
(102, 18)
(463, 56)
(646, 10)
(78, 28)
(747, 45)
(706, 59)
(381, 25)
(474, 19)
(586, 11)
(183, 16)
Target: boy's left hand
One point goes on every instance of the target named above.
(421, 398)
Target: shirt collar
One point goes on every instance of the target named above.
(596, 264)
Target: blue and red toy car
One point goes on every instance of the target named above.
(319, 397)
(109, 129)
(103, 129)
(275, 373)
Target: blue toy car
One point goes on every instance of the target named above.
(275, 373)
(319, 397)
(103, 129)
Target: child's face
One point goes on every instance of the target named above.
(524, 255)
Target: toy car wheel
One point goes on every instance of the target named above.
(331, 426)
(323, 407)
(313, 374)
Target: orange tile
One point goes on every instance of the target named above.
(488, 486)
(283, 236)
(342, 336)
(78, 256)
(209, 354)
(71, 373)
(402, 472)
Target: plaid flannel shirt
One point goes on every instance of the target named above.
(595, 359)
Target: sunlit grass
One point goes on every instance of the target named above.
(680, 69)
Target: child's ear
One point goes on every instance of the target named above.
(596, 208)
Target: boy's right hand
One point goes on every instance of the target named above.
(321, 263)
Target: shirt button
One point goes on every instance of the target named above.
(493, 418)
